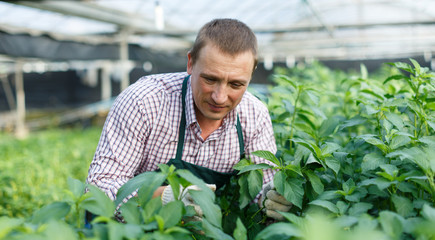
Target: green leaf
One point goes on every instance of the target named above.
(431, 124)
(254, 167)
(364, 72)
(178, 230)
(357, 195)
(328, 126)
(315, 181)
(255, 182)
(329, 147)
(394, 77)
(428, 213)
(160, 222)
(150, 209)
(280, 229)
(345, 221)
(241, 164)
(7, 225)
(204, 198)
(370, 109)
(171, 213)
(268, 156)
(399, 141)
(371, 139)
(349, 186)
(333, 164)
(403, 205)
(130, 212)
(306, 119)
(369, 91)
(286, 78)
(116, 231)
(149, 186)
(99, 203)
(175, 184)
(429, 140)
(211, 211)
(390, 169)
(360, 208)
(414, 154)
(53, 211)
(245, 197)
(240, 231)
(391, 224)
(294, 168)
(296, 220)
(416, 66)
(403, 66)
(342, 207)
(329, 195)
(355, 121)
(148, 180)
(372, 161)
(381, 183)
(325, 204)
(317, 152)
(59, 230)
(283, 117)
(395, 119)
(213, 232)
(290, 188)
(76, 187)
(187, 175)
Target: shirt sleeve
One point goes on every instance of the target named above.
(120, 149)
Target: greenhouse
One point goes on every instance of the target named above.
(145, 119)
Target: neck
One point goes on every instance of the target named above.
(208, 126)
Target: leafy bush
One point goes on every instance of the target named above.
(355, 157)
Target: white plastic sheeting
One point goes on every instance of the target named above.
(286, 29)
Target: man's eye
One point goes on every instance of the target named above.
(236, 85)
(209, 79)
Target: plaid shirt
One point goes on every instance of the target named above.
(141, 131)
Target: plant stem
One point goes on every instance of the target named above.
(294, 117)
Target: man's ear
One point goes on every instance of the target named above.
(189, 63)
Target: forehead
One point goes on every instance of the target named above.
(212, 54)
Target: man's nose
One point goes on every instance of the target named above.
(219, 95)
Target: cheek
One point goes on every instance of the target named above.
(236, 97)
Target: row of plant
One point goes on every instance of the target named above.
(355, 157)
(34, 171)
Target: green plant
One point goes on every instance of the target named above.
(355, 157)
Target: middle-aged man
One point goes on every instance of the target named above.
(202, 120)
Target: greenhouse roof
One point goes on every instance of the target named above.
(286, 30)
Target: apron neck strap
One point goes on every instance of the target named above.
(240, 136)
(182, 128)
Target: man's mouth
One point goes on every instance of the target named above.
(216, 108)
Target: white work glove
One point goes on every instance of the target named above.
(168, 196)
(273, 201)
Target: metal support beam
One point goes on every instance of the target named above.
(93, 11)
(8, 91)
(21, 130)
(328, 28)
(106, 83)
(125, 79)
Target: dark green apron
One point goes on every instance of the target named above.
(207, 175)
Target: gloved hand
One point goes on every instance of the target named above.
(168, 196)
(272, 201)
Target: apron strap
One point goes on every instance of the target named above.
(240, 136)
(182, 127)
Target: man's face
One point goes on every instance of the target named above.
(219, 81)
